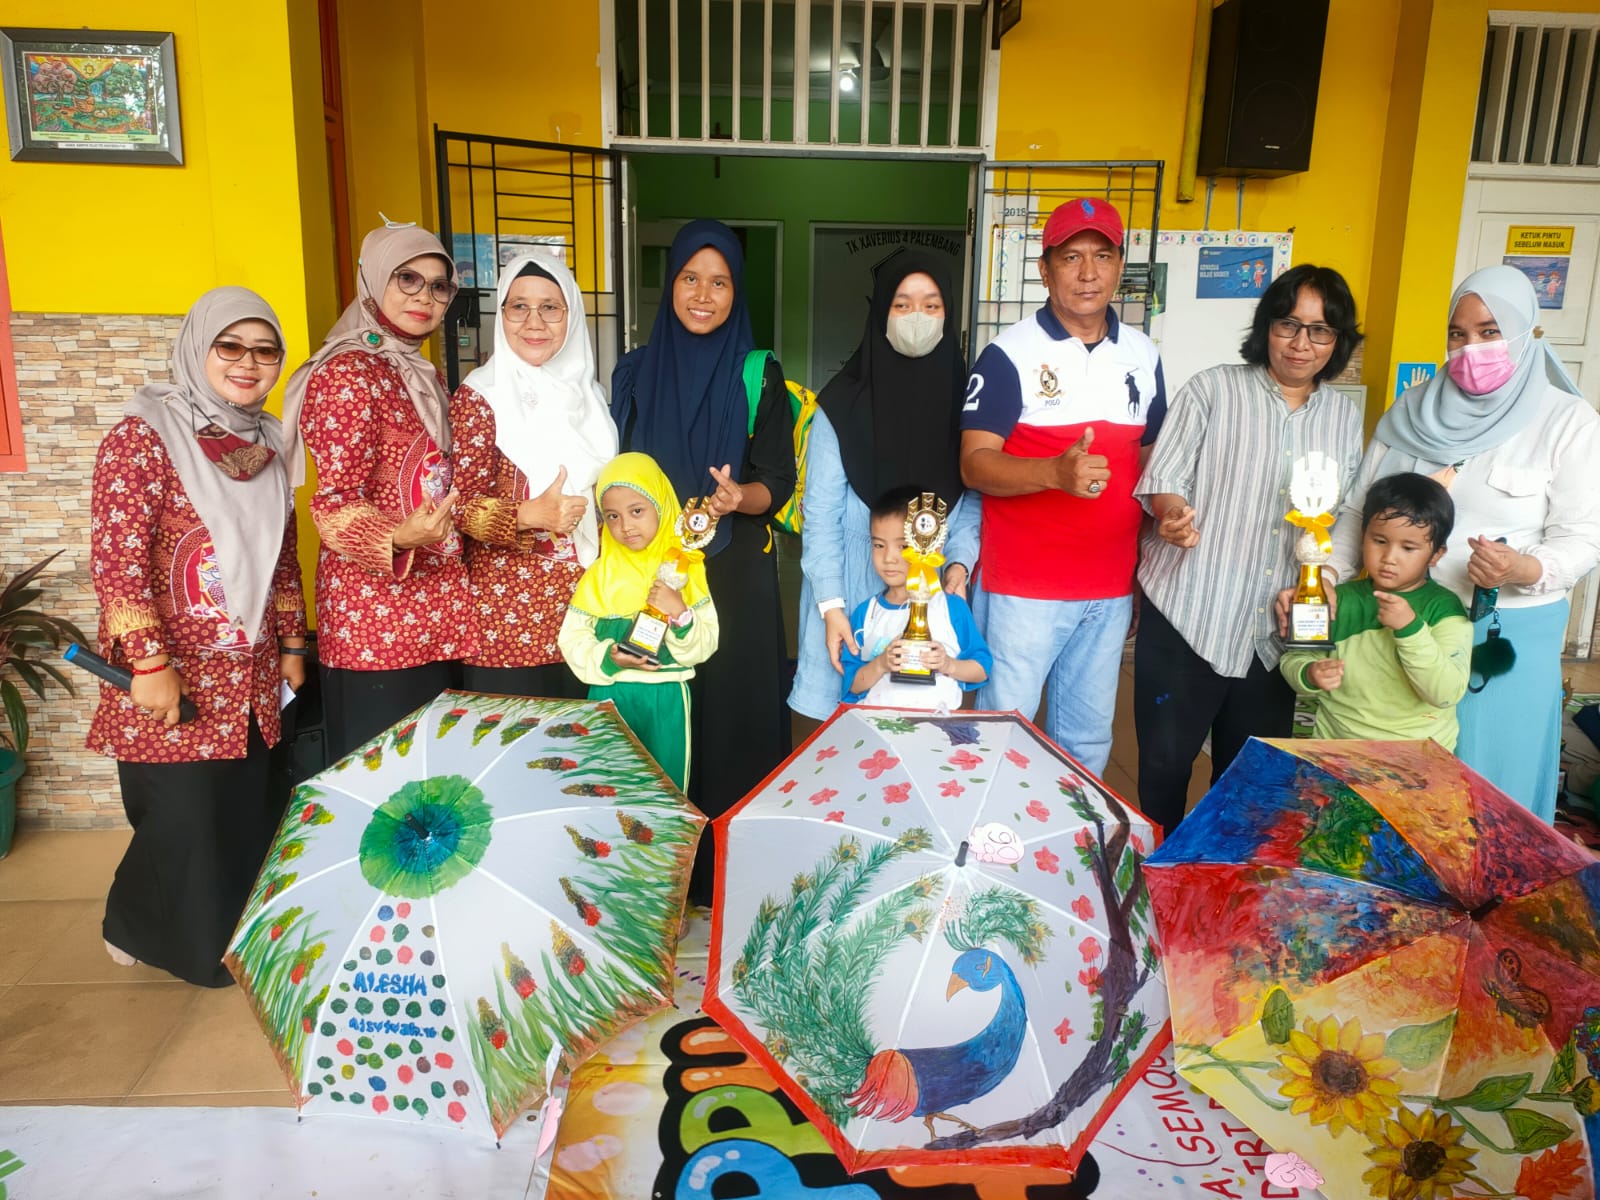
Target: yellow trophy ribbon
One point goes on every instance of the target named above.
(925, 566)
(1316, 526)
(682, 559)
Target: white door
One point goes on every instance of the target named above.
(1551, 229)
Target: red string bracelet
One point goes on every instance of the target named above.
(150, 670)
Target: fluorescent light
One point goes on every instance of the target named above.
(847, 82)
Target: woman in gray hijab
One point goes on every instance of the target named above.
(192, 552)
(1505, 429)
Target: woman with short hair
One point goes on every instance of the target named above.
(1218, 550)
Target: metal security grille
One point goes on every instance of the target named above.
(1014, 201)
(898, 75)
(497, 197)
(1539, 100)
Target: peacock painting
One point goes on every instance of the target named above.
(959, 971)
(927, 1082)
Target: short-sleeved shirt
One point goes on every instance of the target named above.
(1040, 388)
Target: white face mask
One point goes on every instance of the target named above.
(915, 334)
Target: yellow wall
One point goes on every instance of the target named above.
(1062, 97)
(149, 239)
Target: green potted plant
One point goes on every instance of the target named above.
(24, 629)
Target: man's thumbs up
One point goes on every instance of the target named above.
(1080, 473)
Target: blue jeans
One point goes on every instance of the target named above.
(1073, 645)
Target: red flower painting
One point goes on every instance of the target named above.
(880, 762)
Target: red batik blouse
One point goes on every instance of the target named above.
(379, 609)
(522, 581)
(155, 572)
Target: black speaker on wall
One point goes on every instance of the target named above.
(1261, 86)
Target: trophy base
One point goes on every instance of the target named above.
(1309, 644)
(923, 676)
(644, 652)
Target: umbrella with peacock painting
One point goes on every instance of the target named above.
(933, 931)
(465, 906)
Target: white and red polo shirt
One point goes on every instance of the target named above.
(1039, 388)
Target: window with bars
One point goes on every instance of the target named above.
(890, 75)
(1539, 99)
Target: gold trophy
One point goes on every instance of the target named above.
(925, 533)
(695, 527)
(1314, 489)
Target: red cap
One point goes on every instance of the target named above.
(1076, 216)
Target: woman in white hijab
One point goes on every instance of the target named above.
(532, 432)
(1506, 430)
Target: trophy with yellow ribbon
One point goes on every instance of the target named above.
(925, 534)
(1314, 489)
(695, 527)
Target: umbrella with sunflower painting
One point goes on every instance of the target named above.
(1382, 964)
(464, 907)
(953, 963)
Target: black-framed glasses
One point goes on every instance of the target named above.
(262, 356)
(411, 282)
(549, 312)
(1288, 329)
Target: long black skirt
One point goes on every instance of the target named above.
(200, 833)
(359, 705)
(739, 725)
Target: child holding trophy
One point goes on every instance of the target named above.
(1401, 642)
(642, 617)
(920, 647)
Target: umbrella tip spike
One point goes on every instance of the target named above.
(961, 855)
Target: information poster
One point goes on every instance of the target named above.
(1233, 272)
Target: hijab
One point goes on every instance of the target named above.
(682, 398)
(245, 516)
(618, 583)
(899, 419)
(553, 415)
(361, 327)
(1436, 423)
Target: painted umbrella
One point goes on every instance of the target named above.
(1385, 966)
(932, 931)
(465, 906)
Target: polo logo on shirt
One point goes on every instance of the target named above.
(1049, 385)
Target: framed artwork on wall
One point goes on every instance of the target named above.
(87, 95)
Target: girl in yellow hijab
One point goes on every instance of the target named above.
(638, 512)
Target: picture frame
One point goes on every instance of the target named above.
(91, 95)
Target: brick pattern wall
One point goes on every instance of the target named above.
(73, 375)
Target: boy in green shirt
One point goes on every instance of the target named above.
(1403, 644)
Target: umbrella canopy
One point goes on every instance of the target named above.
(933, 932)
(1382, 964)
(464, 907)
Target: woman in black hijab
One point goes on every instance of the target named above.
(890, 419)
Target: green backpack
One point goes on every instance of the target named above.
(802, 408)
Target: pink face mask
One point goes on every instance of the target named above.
(1481, 367)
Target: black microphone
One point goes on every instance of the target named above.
(119, 677)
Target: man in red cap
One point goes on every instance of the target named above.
(1061, 409)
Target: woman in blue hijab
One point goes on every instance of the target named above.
(682, 400)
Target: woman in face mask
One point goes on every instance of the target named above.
(890, 419)
(1506, 430)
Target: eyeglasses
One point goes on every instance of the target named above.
(411, 282)
(518, 312)
(262, 356)
(1288, 329)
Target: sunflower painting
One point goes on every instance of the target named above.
(437, 937)
(1380, 964)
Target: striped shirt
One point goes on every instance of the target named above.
(1228, 447)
